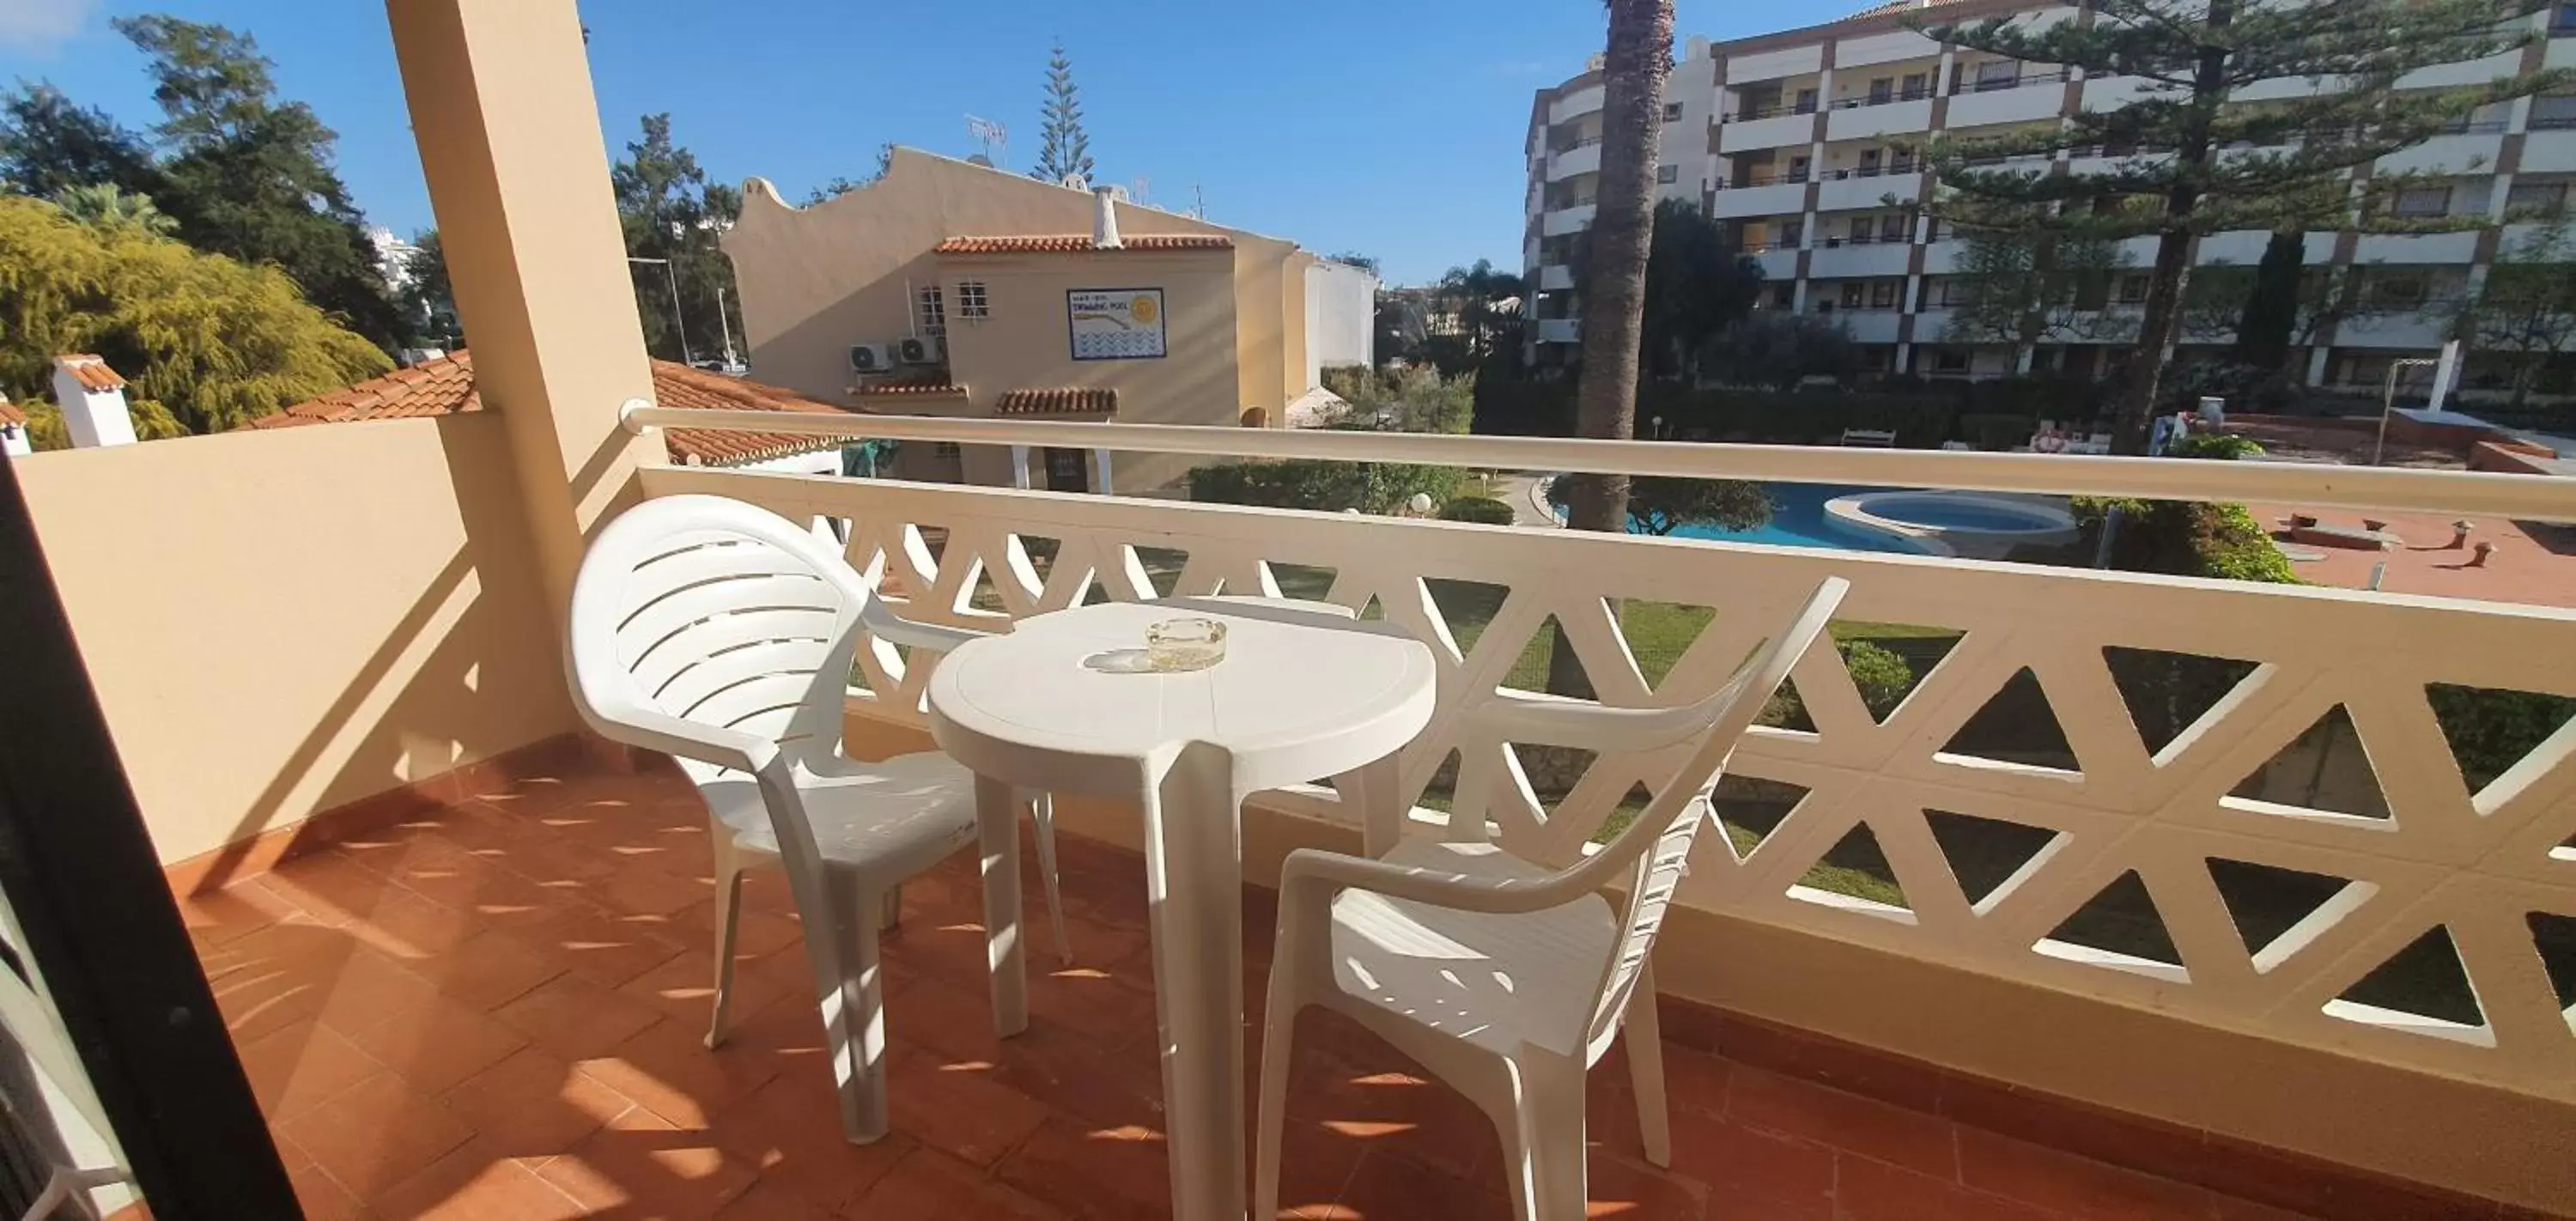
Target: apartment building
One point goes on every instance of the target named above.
(1802, 142)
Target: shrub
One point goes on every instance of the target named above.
(1306, 483)
(1882, 676)
(2186, 538)
(1481, 509)
(2223, 447)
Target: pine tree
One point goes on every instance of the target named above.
(2272, 308)
(2183, 158)
(1067, 151)
(669, 210)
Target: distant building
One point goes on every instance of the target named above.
(393, 257)
(1802, 142)
(13, 430)
(947, 288)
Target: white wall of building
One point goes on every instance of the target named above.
(1341, 317)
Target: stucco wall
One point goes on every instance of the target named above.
(1026, 344)
(282, 622)
(1344, 326)
(816, 280)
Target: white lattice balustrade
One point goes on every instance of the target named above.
(2407, 851)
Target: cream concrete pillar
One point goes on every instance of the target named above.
(510, 142)
(1020, 467)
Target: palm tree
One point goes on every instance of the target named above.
(1614, 297)
(104, 205)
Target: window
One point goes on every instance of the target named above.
(1949, 292)
(2536, 197)
(971, 301)
(2562, 19)
(946, 451)
(2398, 289)
(1672, 112)
(1860, 229)
(1792, 233)
(1797, 170)
(1914, 86)
(1882, 294)
(1806, 101)
(1852, 290)
(1998, 74)
(1891, 227)
(2422, 201)
(1901, 161)
(2553, 111)
(1882, 90)
(1949, 360)
(933, 312)
(1784, 294)
(1868, 162)
(1668, 174)
(2133, 289)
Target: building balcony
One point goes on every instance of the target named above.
(2244, 248)
(1867, 121)
(1574, 105)
(2465, 152)
(1766, 199)
(1865, 325)
(2549, 149)
(2100, 910)
(1558, 222)
(1560, 330)
(2420, 330)
(2457, 247)
(2025, 99)
(1844, 257)
(1778, 262)
(1855, 189)
(1785, 129)
(1555, 278)
(1584, 158)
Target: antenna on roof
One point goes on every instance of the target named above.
(1198, 205)
(1137, 191)
(992, 136)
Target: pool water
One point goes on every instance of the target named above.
(1798, 520)
(1950, 513)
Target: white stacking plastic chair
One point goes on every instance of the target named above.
(722, 634)
(1505, 978)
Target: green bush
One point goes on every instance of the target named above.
(2223, 447)
(1881, 674)
(2186, 538)
(1307, 483)
(1481, 509)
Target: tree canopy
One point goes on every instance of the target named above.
(1697, 282)
(2183, 157)
(1777, 348)
(207, 342)
(2526, 308)
(2050, 288)
(50, 144)
(1066, 148)
(670, 211)
(1660, 504)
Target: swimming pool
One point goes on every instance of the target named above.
(1798, 519)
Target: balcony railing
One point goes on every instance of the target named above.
(1751, 113)
(2116, 801)
(1766, 178)
(1871, 171)
(1913, 94)
(1867, 239)
(1996, 84)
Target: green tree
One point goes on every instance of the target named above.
(252, 177)
(105, 205)
(2024, 292)
(208, 342)
(49, 145)
(2526, 309)
(840, 186)
(1066, 152)
(1777, 348)
(2272, 306)
(1659, 505)
(1697, 282)
(2184, 159)
(428, 296)
(671, 212)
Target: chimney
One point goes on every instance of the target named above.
(1104, 220)
(13, 429)
(93, 399)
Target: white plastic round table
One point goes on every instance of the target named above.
(1061, 705)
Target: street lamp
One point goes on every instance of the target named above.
(2388, 401)
(676, 324)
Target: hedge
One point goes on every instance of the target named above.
(1996, 412)
(1482, 509)
(1310, 483)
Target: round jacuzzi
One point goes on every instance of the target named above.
(1975, 524)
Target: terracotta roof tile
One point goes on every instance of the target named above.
(91, 372)
(933, 387)
(446, 386)
(1080, 243)
(10, 414)
(1066, 400)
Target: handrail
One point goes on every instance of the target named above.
(2529, 497)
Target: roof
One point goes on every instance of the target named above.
(929, 387)
(1080, 243)
(1063, 400)
(90, 371)
(445, 386)
(10, 415)
(1894, 6)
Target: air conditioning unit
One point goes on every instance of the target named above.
(929, 351)
(871, 357)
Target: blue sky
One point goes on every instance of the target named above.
(1387, 127)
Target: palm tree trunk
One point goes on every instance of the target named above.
(1614, 304)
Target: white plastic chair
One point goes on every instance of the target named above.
(720, 633)
(1506, 978)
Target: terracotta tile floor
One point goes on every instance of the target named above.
(496, 1013)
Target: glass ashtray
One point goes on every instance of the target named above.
(1178, 646)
